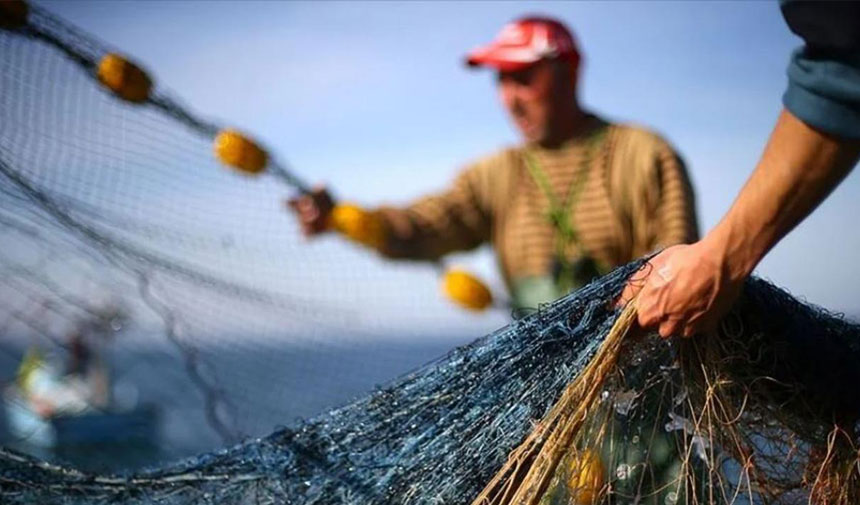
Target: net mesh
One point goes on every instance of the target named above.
(118, 223)
(112, 208)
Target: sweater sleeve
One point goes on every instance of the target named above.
(458, 218)
(824, 74)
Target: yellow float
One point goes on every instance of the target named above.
(124, 78)
(240, 152)
(466, 290)
(358, 224)
(585, 481)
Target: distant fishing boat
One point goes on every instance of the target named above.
(47, 409)
(26, 425)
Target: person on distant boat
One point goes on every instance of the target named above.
(45, 389)
(85, 368)
(51, 390)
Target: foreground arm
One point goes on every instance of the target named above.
(690, 287)
(812, 148)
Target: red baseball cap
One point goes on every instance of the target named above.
(524, 42)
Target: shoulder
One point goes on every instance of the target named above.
(640, 157)
(490, 167)
(633, 144)
(637, 136)
(499, 159)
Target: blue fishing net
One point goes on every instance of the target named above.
(435, 436)
(441, 433)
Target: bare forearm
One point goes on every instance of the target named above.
(692, 286)
(800, 166)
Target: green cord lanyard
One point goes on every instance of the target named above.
(559, 213)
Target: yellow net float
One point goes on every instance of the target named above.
(240, 152)
(585, 482)
(466, 290)
(124, 78)
(13, 13)
(358, 224)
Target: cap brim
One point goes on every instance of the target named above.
(500, 58)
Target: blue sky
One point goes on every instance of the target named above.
(373, 97)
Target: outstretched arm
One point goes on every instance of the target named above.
(454, 219)
(691, 286)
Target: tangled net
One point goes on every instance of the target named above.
(566, 406)
(760, 411)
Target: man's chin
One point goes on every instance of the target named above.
(532, 136)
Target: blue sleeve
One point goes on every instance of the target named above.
(824, 75)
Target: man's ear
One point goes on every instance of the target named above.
(566, 71)
(572, 68)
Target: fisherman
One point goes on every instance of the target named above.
(80, 385)
(577, 197)
(86, 369)
(813, 147)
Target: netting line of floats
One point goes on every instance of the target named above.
(131, 83)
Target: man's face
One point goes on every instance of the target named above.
(535, 98)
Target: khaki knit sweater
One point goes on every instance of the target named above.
(635, 197)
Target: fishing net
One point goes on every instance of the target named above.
(562, 407)
(118, 221)
(570, 405)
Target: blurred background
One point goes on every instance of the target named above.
(373, 99)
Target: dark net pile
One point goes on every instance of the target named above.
(761, 411)
(435, 436)
(748, 415)
(114, 215)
